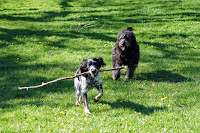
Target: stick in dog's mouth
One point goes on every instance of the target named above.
(68, 77)
(93, 73)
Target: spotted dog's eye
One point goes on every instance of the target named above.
(90, 63)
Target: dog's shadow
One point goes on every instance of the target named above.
(134, 106)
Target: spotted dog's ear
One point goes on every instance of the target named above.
(100, 62)
(83, 66)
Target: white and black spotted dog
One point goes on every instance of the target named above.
(84, 82)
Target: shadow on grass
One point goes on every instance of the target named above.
(162, 47)
(163, 76)
(49, 16)
(9, 36)
(37, 97)
(17, 73)
(134, 106)
(34, 97)
(169, 53)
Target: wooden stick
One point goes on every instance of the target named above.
(69, 77)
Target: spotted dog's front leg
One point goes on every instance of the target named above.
(77, 91)
(77, 97)
(97, 97)
(86, 107)
(84, 91)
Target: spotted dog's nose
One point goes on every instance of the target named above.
(93, 70)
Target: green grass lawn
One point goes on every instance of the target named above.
(43, 40)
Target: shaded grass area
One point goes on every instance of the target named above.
(43, 40)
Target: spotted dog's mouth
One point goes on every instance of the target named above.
(93, 72)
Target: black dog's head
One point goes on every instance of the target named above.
(126, 39)
(92, 65)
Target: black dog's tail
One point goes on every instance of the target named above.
(129, 28)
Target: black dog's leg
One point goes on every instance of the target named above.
(86, 107)
(115, 63)
(97, 97)
(130, 73)
(116, 74)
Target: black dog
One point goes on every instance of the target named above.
(125, 52)
(88, 81)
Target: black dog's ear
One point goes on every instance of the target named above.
(132, 35)
(100, 62)
(129, 28)
(83, 66)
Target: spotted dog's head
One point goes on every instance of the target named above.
(126, 39)
(92, 65)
